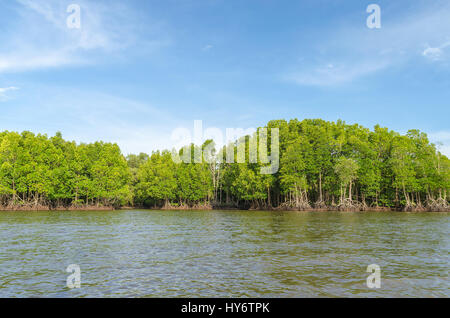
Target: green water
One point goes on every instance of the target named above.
(223, 254)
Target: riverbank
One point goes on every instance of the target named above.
(284, 209)
(222, 208)
(48, 208)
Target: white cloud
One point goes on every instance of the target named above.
(45, 59)
(441, 135)
(356, 51)
(442, 140)
(331, 75)
(207, 47)
(436, 53)
(88, 116)
(4, 90)
(41, 39)
(433, 53)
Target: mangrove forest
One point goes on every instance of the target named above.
(322, 166)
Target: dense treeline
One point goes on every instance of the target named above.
(37, 172)
(323, 165)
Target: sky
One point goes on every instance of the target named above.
(137, 70)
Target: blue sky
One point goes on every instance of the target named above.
(136, 70)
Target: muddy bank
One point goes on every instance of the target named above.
(335, 208)
(58, 208)
(209, 207)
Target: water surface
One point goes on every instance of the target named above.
(224, 254)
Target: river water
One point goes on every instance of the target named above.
(224, 254)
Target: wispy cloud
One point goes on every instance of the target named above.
(353, 52)
(207, 47)
(331, 74)
(442, 139)
(41, 38)
(436, 53)
(87, 116)
(4, 90)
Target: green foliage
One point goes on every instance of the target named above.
(346, 169)
(39, 171)
(321, 163)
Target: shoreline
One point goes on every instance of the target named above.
(58, 209)
(198, 208)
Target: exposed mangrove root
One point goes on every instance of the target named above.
(321, 205)
(184, 206)
(437, 205)
(350, 205)
(299, 205)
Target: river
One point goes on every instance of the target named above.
(140, 253)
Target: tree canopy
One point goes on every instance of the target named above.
(323, 165)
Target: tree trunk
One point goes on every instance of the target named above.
(350, 191)
(320, 187)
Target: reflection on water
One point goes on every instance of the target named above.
(223, 254)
